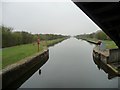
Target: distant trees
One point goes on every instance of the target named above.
(7, 35)
(10, 38)
(50, 36)
(97, 35)
(101, 35)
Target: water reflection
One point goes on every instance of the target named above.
(102, 66)
(27, 75)
(39, 71)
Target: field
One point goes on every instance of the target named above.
(13, 54)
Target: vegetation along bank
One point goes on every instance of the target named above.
(17, 45)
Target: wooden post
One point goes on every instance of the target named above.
(38, 47)
(38, 42)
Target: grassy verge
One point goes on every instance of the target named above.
(110, 44)
(14, 54)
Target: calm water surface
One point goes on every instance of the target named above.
(70, 65)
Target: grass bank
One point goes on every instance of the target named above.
(109, 43)
(14, 54)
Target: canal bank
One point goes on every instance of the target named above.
(15, 71)
(101, 66)
(14, 54)
(90, 41)
(109, 57)
(12, 73)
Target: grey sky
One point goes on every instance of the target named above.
(47, 17)
(0, 13)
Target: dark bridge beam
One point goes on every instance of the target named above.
(106, 15)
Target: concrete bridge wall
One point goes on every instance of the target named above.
(106, 15)
(114, 55)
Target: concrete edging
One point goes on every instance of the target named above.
(15, 71)
(107, 59)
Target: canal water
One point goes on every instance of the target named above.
(70, 65)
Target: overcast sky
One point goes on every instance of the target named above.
(47, 17)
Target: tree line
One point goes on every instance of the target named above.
(13, 38)
(97, 35)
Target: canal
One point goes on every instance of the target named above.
(70, 65)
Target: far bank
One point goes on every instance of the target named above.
(109, 57)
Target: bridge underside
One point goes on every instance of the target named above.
(106, 15)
